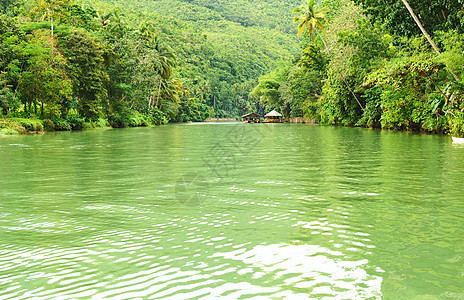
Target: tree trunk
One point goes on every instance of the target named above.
(418, 22)
(426, 34)
(323, 41)
(159, 92)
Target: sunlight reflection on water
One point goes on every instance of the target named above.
(307, 212)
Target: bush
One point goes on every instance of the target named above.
(137, 119)
(48, 125)
(30, 124)
(62, 125)
(118, 120)
(157, 117)
(100, 123)
(10, 127)
(119, 116)
(456, 124)
(76, 122)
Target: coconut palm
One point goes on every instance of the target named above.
(165, 57)
(314, 18)
(310, 17)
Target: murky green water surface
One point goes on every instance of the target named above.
(231, 211)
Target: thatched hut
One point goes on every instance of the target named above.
(273, 117)
(251, 118)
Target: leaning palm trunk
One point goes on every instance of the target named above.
(418, 22)
(426, 34)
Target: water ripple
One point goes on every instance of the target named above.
(307, 213)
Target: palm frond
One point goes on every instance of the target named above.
(301, 28)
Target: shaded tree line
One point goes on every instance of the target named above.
(71, 65)
(384, 64)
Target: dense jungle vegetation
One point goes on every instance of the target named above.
(367, 63)
(68, 64)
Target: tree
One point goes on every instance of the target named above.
(52, 9)
(44, 81)
(426, 34)
(8, 6)
(310, 17)
(313, 18)
(165, 56)
(435, 15)
(86, 69)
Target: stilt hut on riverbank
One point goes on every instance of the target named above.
(251, 118)
(273, 117)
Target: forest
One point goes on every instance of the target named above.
(68, 65)
(368, 63)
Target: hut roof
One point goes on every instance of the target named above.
(251, 115)
(273, 114)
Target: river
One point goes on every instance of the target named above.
(231, 211)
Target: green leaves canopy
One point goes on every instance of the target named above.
(310, 17)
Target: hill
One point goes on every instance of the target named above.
(222, 46)
(131, 63)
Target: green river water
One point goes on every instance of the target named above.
(231, 211)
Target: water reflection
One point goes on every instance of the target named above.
(307, 270)
(310, 212)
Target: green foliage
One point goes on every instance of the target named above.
(310, 17)
(8, 100)
(10, 127)
(268, 87)
(72, 120)
(456, 124)
(62, 125)
(137, 119)
(373, 110)
(192, 109)
(120, 115)
(183, 61)
(44, 80)
(436, 15)
(86, 70)
(30, 124)
(312, 59)
(48, 125)
(345, 100)
(100, 123)
(157, 117)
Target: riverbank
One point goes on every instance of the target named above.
(20, 126)
(23, 126)
(220, 120)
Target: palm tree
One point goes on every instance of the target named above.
(165, 56)
(165, 62)
(146, 30)
(310, 17)
(315, 18)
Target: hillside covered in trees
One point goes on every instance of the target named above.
(133, 63)
(130, 63)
